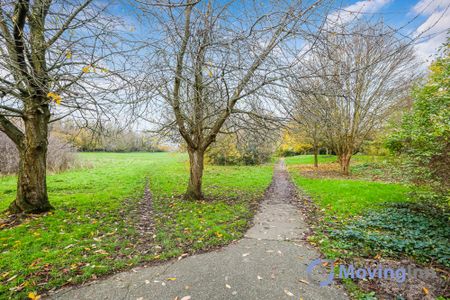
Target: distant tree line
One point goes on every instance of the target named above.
(107, 138)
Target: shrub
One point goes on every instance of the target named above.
(293, 142)
(249, 150)
(401, 229)
(424, 137)
(60, 155)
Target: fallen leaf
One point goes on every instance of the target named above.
(245, 254)
(288, 293)
(11, 278)
(171, 279)
(182, 256)
(147, 282)
(304, 281)
(425, 291)
(34, 296)
(259, 277)
(227, 286)
(186, 298)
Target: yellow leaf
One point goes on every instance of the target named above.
(210, 73)
(34, 296)
(86, 69)
(171, 279)
(69, 54)
(55, 97)
(425, 291)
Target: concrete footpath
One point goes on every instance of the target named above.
(269, 263)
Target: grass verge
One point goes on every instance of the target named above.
(362, 219)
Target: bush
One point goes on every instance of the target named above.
(229, 150)
(424, 137)
(401, 229)
(60, 155)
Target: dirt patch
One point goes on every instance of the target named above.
(146, 226)
(421, 282)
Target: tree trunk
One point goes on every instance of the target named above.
(316, 160)
(344, 161)
(194, 190)
(32, 184)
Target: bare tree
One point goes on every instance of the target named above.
(214, 61)
(306, 114)
(360, 73)
(57, 58)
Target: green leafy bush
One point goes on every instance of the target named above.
(424, 136)
(400, 230)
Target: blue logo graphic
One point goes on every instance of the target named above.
(371, 272)
(318, 262)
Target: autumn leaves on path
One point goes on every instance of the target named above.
(269, 263)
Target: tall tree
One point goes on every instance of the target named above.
(52, 54)
(354, 79)
(214, 57)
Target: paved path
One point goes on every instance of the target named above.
(269, 263)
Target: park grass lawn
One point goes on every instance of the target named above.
(359, 219)
(309, 159)
(344, 198)
(363, 218)
(92, 230)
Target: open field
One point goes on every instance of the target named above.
(93, 228)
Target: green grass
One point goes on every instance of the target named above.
(364, 218)
(92, 230)
(309, 159)
(345, 198)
